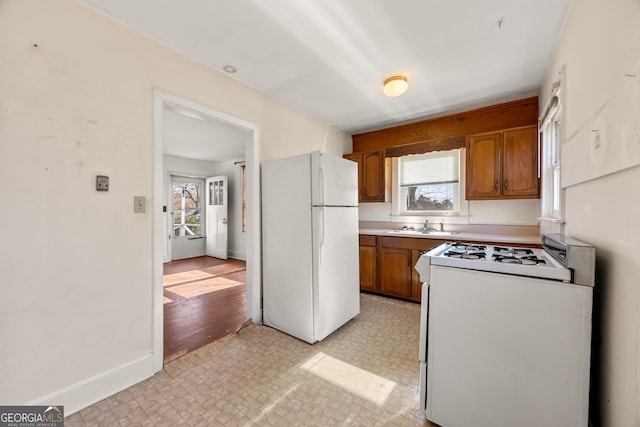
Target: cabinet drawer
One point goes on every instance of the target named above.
(367, 240)
(409, 243)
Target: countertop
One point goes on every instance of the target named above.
(514, 235)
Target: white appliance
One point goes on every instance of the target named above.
(505, 334)
(310, 282)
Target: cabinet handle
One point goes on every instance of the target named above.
(496, 185)
(506, 184)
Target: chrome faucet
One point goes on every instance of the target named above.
(425, 227)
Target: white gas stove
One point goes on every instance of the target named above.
(505, 333)
(497, 259)
(561, 258)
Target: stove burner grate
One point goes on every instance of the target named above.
(524, 260)
(512, 251)
(466, 254)
(458, 246)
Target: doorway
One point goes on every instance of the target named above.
(160, 238)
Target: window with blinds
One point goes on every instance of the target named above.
(430, 182)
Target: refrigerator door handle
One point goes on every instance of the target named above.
(321, 194)
(321, 231)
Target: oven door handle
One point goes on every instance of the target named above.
(424, 322)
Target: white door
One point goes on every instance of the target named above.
(216, 213)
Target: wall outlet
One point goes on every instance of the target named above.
(102, 183)
(139, 204)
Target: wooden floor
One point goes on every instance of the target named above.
(204, 299)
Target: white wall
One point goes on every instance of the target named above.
(600, 47)
(76, 100)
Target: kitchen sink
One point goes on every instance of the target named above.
(440, 233)
(419, 232)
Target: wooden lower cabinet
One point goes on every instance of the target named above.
(387, 265)
(368, 263)
(395, 272)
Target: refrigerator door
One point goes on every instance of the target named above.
(336, 285)
(334, 180)
(287, 291)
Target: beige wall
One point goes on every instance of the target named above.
(600, 48)
(76, 100)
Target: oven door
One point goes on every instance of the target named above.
(424, 334)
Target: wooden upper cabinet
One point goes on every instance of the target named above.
(371, 175)
(483, 166)
(503, 165)
(520, 169)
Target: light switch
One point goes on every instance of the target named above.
(139, 204)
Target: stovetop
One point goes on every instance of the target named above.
(499, 259)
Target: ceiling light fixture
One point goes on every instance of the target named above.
(229, 69)
(395, 86)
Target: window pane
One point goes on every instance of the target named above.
(555, 146)
(556, 191)
(431, 168)
(432, 197)
(186, 209)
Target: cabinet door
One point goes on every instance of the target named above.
(368, 268)
(372, 177)
(395, 272)
(520, 163)
(483, 166)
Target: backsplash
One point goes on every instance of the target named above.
(486, 212)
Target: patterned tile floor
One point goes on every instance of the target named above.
(364, 374)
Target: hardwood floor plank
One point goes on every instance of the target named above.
(206, 301)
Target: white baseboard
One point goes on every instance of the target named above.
(93, 389)
(242, 256)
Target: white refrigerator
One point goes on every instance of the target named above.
(310, 257)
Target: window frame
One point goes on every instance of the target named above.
(176, 181)
(552, 194)
(399, 193)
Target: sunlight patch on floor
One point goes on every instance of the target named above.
(185, 276)
(353, 379)
(200, 287)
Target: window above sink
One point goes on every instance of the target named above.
(430, 184)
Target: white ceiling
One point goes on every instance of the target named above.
(192, 135)
(329, 57)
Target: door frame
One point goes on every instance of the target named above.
(159, 235)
